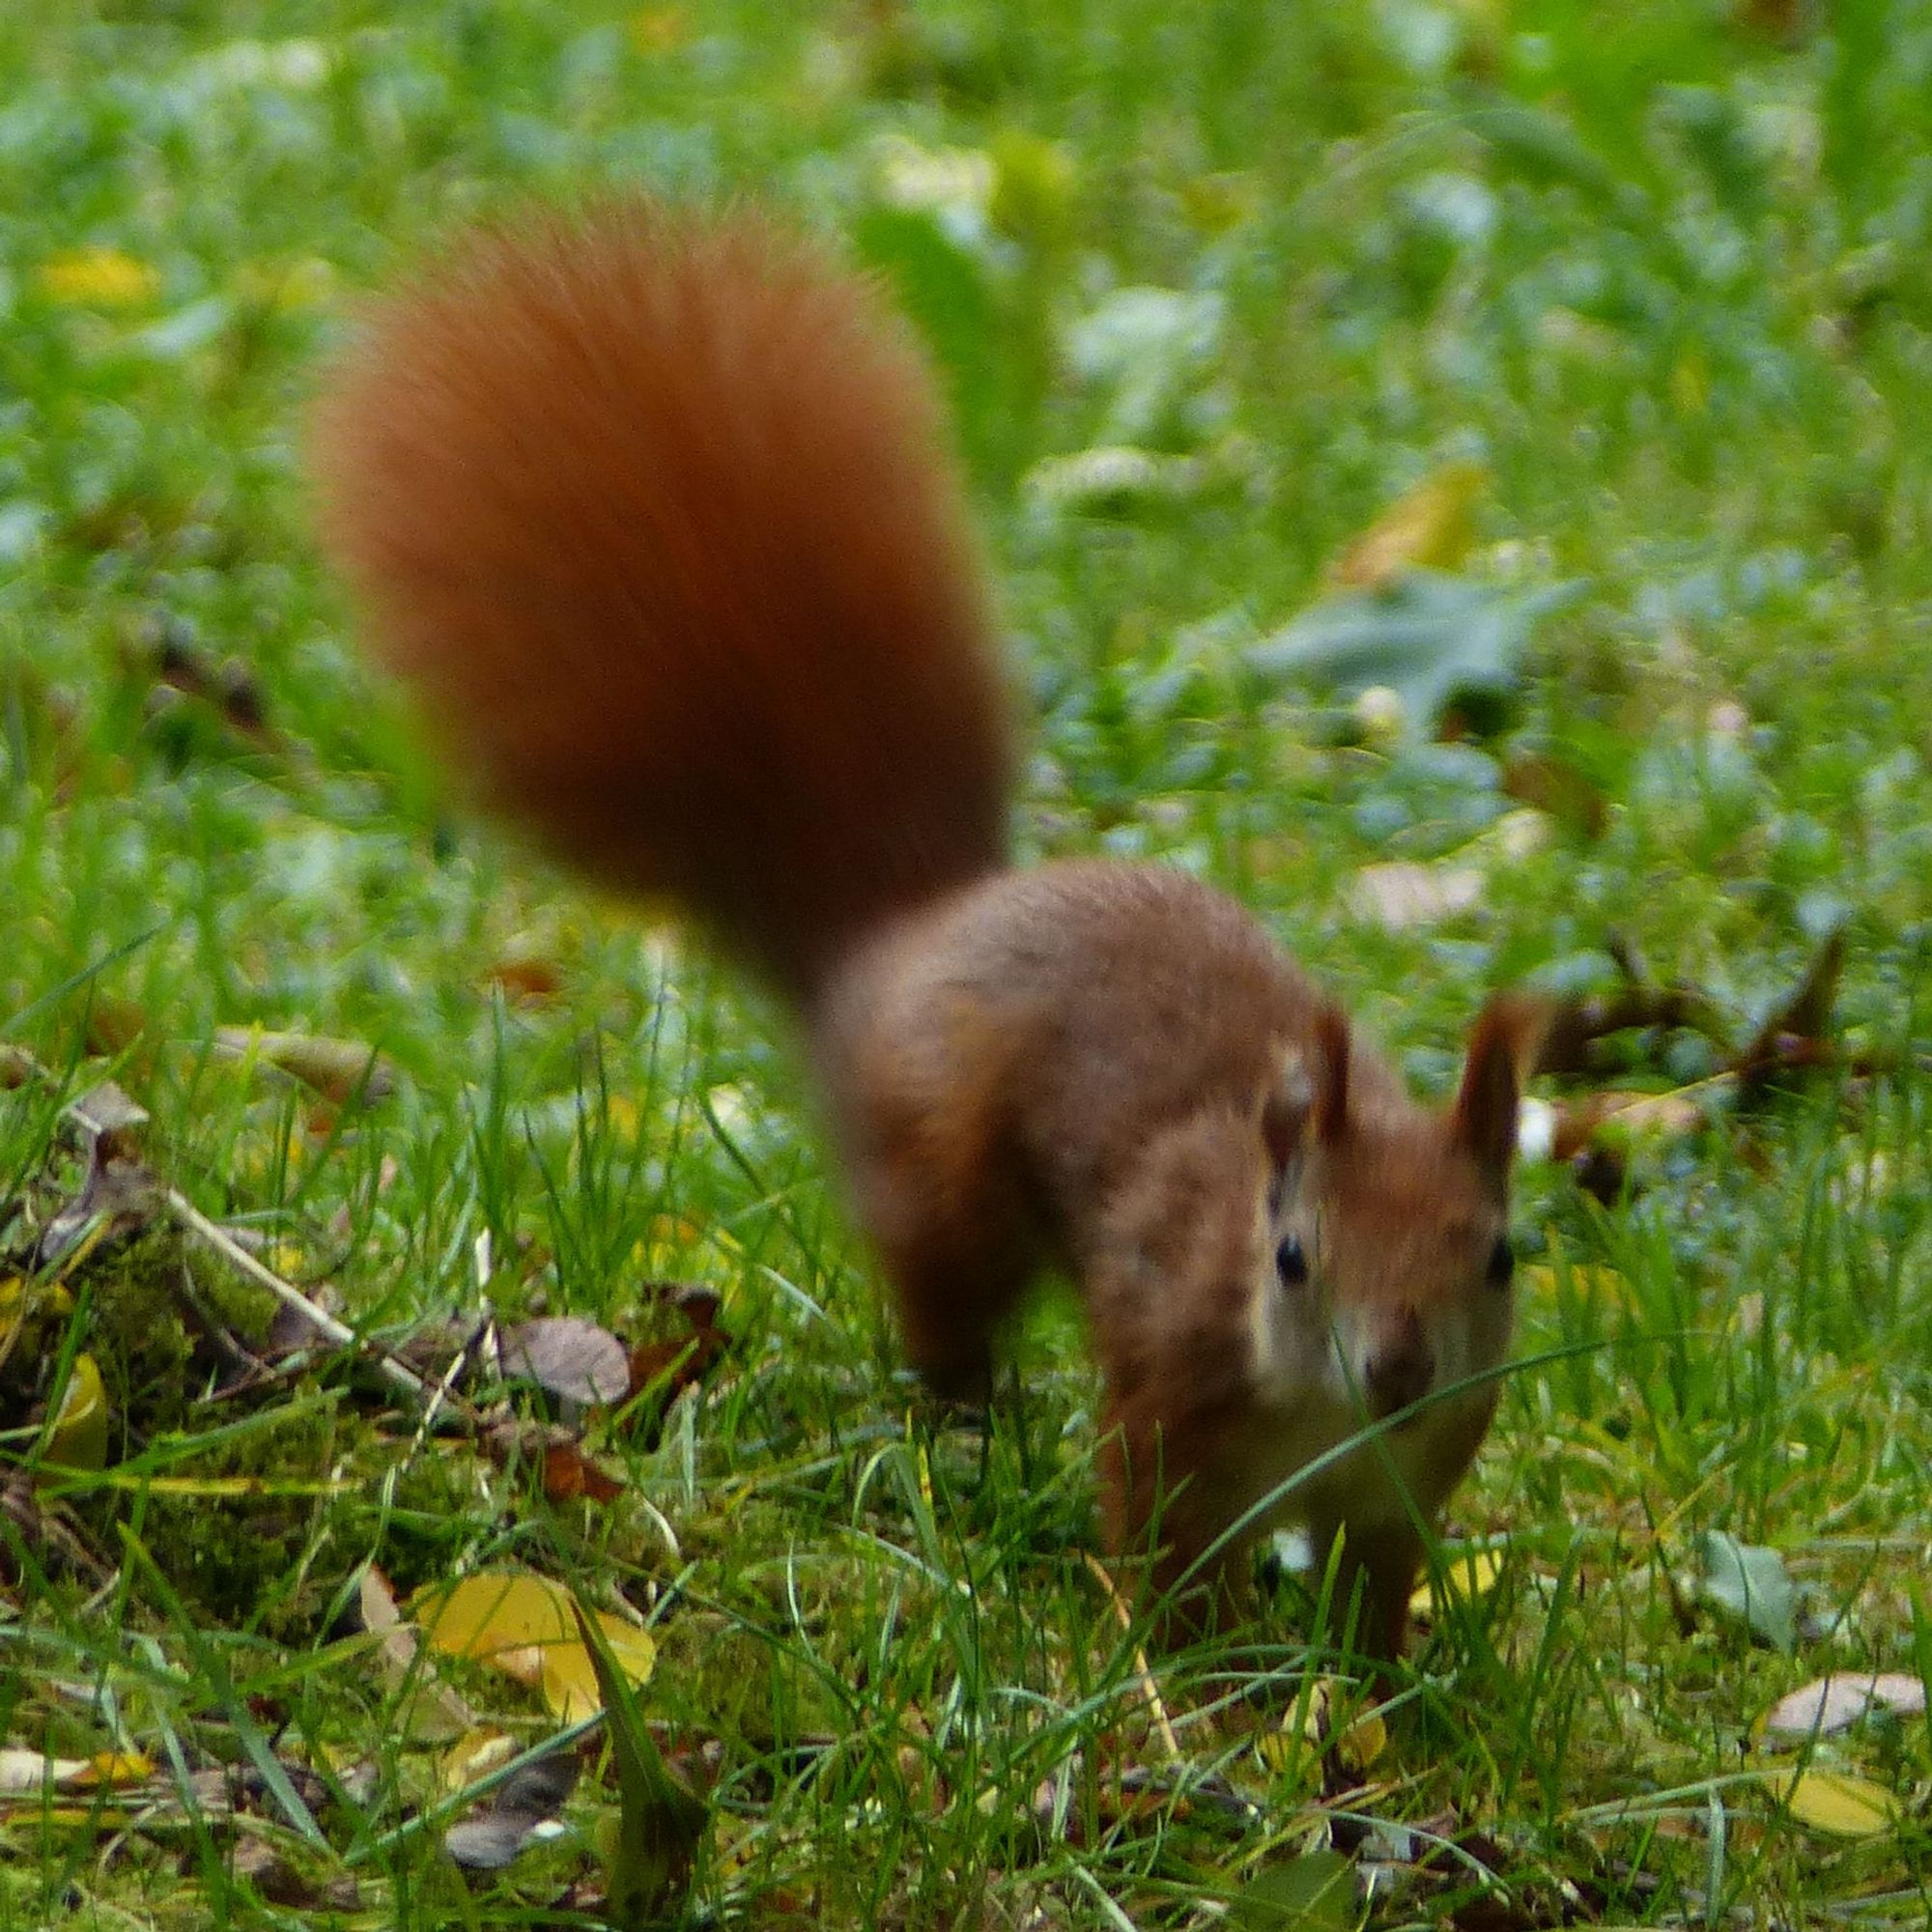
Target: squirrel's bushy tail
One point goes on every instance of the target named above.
(654, 509)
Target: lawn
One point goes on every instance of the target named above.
(1585, 353)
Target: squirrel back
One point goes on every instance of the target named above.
(654, 511)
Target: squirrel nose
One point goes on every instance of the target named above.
(1401, 1368)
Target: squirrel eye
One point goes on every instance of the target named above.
(1502, 1262)
(1291, 1262)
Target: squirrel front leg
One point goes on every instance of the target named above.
(1162, 1518)
(1377, 1573)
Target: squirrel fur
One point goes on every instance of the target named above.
(655, 511)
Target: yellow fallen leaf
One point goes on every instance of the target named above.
(1362, 1742)
(474, 1755)
(1467, 1579)
(569, 1676)
(524, 1625)
(1357, 1743)
(97, 278)
(494, 1614)
(24, 1774)
(25, 1310)
(1836, 1802)
(1430, 527)
(76, 1436)
(111, 1770)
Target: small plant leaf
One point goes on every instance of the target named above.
(661, 1820)
(1315, 1893)
(1751, 1582)
(1431, 636)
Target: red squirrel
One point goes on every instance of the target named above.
(655, 511)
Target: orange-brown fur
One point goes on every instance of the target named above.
(653, 509)
(610, 485)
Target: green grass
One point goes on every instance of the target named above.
(1662, 274)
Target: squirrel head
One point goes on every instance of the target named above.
(1386, 1269)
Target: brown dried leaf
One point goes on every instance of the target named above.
(434, 1351)
(292, 1330)
(491, 1837)
(696, 1303)
(435, 1712)
(1837, 1701)
(18, 1066)
(1535, 778)
(106, 1117)
(568, 1474)
(570, 1356)
(529, 977)
(113, 1025)
(1796, 1033)
(668, 1366)
(231, 688)
(119, 1198)
(1579, 1027)
(1786, 22)
(277, 1880)
(340, 1070)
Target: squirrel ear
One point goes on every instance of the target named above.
(1331, 1079)
(1503, 1046)
(1309, 1100)
(1287, 1108)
